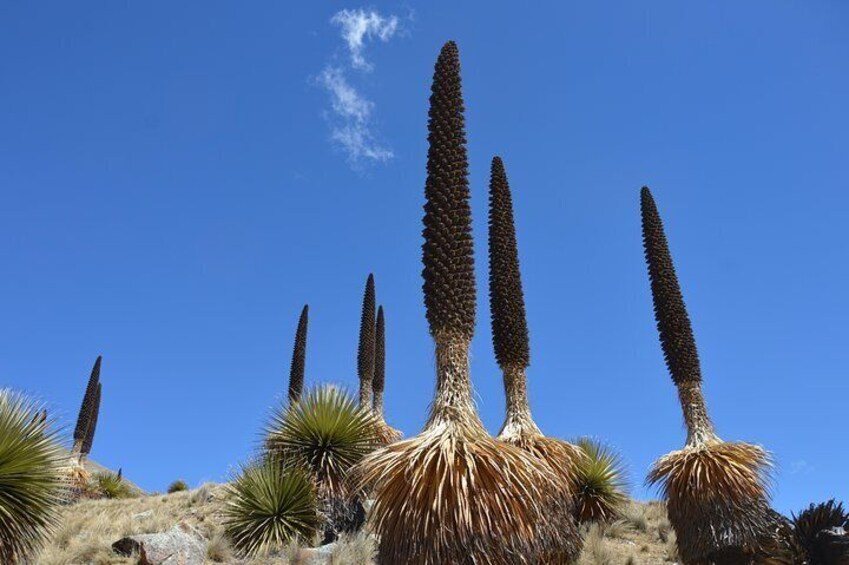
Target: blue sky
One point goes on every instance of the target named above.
(178, 179)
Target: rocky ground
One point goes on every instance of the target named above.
(184, 528)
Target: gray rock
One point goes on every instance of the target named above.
(181, 545)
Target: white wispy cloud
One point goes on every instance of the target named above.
(359, 25)
(800, 467)
(351, 115)
(352, 112)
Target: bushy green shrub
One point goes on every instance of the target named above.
(601, 483)
(177, 486)
(30, 483)
(267, 508)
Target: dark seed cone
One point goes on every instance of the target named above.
(365, 354)
(448, 254)
(88, 401)
(506, 299)
(379, 358)
(673, 323)
(92, 426)
(120, 474)
(299, 355)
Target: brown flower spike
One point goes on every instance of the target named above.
(299, 355)
(82, 426)
(448, 254)
(365, 352)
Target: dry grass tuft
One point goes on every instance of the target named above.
(453, 494)
(596, 548)
(89, 527)
(219, 548)
(356, 549)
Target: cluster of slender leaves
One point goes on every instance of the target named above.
(325, 434)
(269, 507)
(600, 483)
(30, 485)
(111, 485)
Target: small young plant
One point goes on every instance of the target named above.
(110, 485)
(601, 484)
(325, 434)
(267, 509)
(813, 530)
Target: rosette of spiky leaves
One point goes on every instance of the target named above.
(92, 422)
(84, 416)
(325, 433)
(601, 483)
(813, 532)
(267, 508)
(448, 249)
(365, 351)
(717, 499)
(111, 485)
(299, 355)
(386, 433)
(30, 483)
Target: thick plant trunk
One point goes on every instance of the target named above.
(518, 421)
(365, 393)
(378, 404)
(453, 402)
(700, 430)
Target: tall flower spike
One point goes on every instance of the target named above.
(716, 492)
(365, 353)
(386, 433)
(512, 350)
(379, 361)
(448, 254)
(92, 419)
(673, 323)
(299, 354)
(506, 299)
(85, 408)
(452, 494)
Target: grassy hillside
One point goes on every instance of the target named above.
(642, 536)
